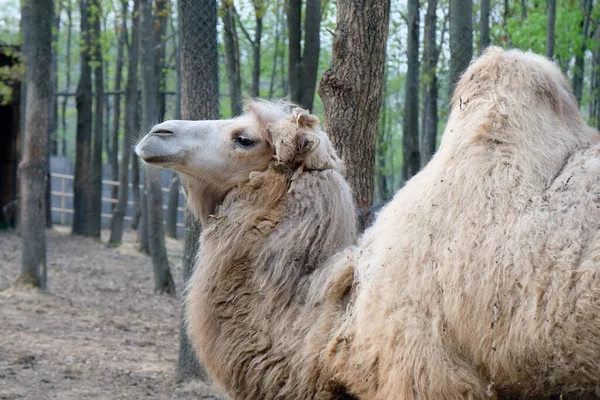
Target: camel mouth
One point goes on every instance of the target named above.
(162, 160)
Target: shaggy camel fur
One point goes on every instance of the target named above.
(480, 277)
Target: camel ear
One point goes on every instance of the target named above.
(306, 142)
(304, 119)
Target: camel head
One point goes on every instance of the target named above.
(214, 156)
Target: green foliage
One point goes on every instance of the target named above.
(10, 74)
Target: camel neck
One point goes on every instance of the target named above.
(262, 256)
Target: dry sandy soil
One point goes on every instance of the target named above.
(98, 332)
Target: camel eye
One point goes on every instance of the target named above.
(244, 141)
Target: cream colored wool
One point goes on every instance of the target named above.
(480, 277)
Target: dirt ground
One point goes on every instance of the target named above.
(98, 332)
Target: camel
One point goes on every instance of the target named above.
(479, 279)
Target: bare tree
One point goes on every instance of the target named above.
(154, 219)
(303, 63)
(595, 82)
(114, 154)
(579, 67)
(484, 25)
(461, 38)
(351, 90)
(137, 195)
(550, 29)
(260, 7)
(82, 182)
(131, 125)
(37, 35)
(410, 135)
(232, 56)
(275, 51)
(430, 85)
(199, 100)
(172, 205)
(63, 150)
(98, 69)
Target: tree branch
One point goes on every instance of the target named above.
(242, 27)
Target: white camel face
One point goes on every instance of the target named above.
(218, 153)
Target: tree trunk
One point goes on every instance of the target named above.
(137, 197)
(259, 11)
(430, 85)
(96, 205)
(82, 182)
(131, 125)
(275, 52)
(142, 233)
(461, 38)
(163, 280)
(410, 133)
(172, 204)
(151, 30)
(351, 90)
(595, 82)
(199, 100)
(310, 54)
(294, 24)
(53, 105)
(114, 159)
(484, 28)
(187, 362)
(505, 17)
(68, 78)
(160, 33)
(579, 66)
(383, 144)
(303, 64)
(232, 57)
(37, 27)
(550, 29)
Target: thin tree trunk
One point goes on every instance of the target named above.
(172, 204)
(142, 233)
(523, 10)
(410, 135)
(173, 200)
(275, 52)
(550, 29)
(461, 38)
(114, 159)
(484, 22)
(579, 67)
(310, 54)
(383, 145)
(430, 84)
(68, 77)
(294, 24)
(259, 11)
(53, 105)
(137, 196)
(595, 82)
(351, 90)
(96, 209)
(37, 26)
(187, 362)
(82, 182)
(162, 12)
(199, 100)
(131, 125)
(163, 281)
(232, 57)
